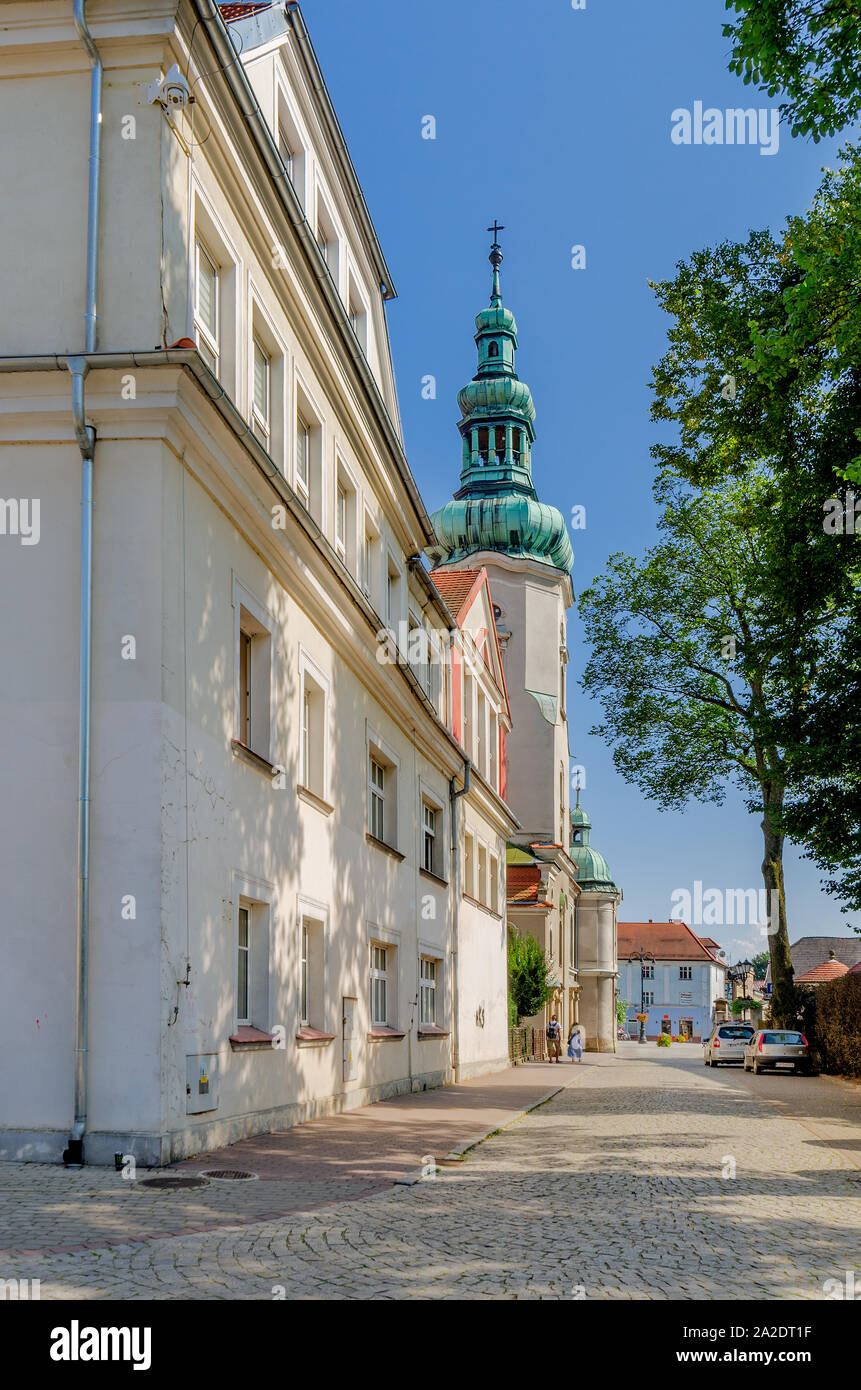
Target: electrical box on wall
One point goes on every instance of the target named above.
(201, 1083)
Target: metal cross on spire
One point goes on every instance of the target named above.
(495, 259)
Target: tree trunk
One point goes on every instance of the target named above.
(783, 995)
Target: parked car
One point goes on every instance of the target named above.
(727, 1043)
(776, 1048)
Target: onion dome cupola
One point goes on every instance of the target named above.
(593, 871)
(496, 506)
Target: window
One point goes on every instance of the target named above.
(494, 752)
(481, 734)
(254, 684)
(494, 883)
(341, 521)
(285, 149)
(481, 891)
(312, 759)
(468, 686)
(429, 826)
(377, 789)
(303, 459)
(357, 312)
(493, 350)
(243, 967)
(304, 978)
(253, 671)
(379, 986)
(327, 237)
(468, 863)
(369, 560)
(428, 990)
(686, 972)
(260, 408)
(649, 996)
(207, 307)
(393, 590)
(648, 972)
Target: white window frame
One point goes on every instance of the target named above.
(211, 343)
(313, 685)
(209, 232)
(260, 625)
(428, 983)
(379, 752)
(255, 897)
(377, 798)
(379, 976)
(312, 1003)
(261, 416)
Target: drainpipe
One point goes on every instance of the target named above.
(86, 438)
(454, 798)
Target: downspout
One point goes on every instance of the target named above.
(454, 797)
(86, 438)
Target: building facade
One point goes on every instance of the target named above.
(496, 522)
(243, 800)
(682, 989)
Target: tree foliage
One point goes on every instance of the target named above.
(809, 50)
(528, 974)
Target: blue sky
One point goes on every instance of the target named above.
(557, 122)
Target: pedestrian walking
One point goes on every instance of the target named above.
(575, 1043)
(554, 1040)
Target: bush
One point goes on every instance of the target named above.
(664, 1040)
(528, 974)
(833, 1016)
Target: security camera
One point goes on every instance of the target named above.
(171, 91)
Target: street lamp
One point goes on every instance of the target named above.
(738, 975)
(642, 956)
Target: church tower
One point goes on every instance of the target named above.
(496, 520)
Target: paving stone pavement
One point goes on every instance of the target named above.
(615, 1189)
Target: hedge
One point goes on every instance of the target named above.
(833, 1015)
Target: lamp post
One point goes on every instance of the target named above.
(738, 974)
(642, 956)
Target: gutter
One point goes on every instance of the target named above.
(454, 797)
(86, 439)
(229, 64)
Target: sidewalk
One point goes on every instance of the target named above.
(376, 1145)
(44, 1207)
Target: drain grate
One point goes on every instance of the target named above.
(174, 1184)
(228, 1175)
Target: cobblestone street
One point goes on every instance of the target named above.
(620, 1187)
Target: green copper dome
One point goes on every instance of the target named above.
(593, 871)
(496, 506)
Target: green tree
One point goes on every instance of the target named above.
(685, 661)
(808, 49)
(763, 375)
(528, 974)
(623, 1008)
(760, 965)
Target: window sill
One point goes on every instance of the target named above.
(247, 1039)
(432, 1030)
(489, 910)
(312, 799)
(255, 760)
(312, 1037)
(381, 1034)
(381, 845)
(435, 878)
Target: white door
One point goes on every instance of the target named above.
(351, 1039)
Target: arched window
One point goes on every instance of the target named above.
(493, 350)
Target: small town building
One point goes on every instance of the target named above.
(681, 988)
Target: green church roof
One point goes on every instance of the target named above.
(593, 871)
(496, 506)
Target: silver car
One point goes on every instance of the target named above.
(727, 1043)
(777, 1048)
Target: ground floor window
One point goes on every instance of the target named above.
(379, 985)
(428, 990)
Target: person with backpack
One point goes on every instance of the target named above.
(554, 1040)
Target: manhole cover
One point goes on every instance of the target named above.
(228, 1174)
(172, 1184)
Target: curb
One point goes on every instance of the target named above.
(459, 1152)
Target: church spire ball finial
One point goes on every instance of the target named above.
(495, 259)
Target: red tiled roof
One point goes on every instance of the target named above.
(828, 970)
(710, 944)
(523, 883)
(666, 941)
(231, 12)
(455, 587)
(856, 968)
